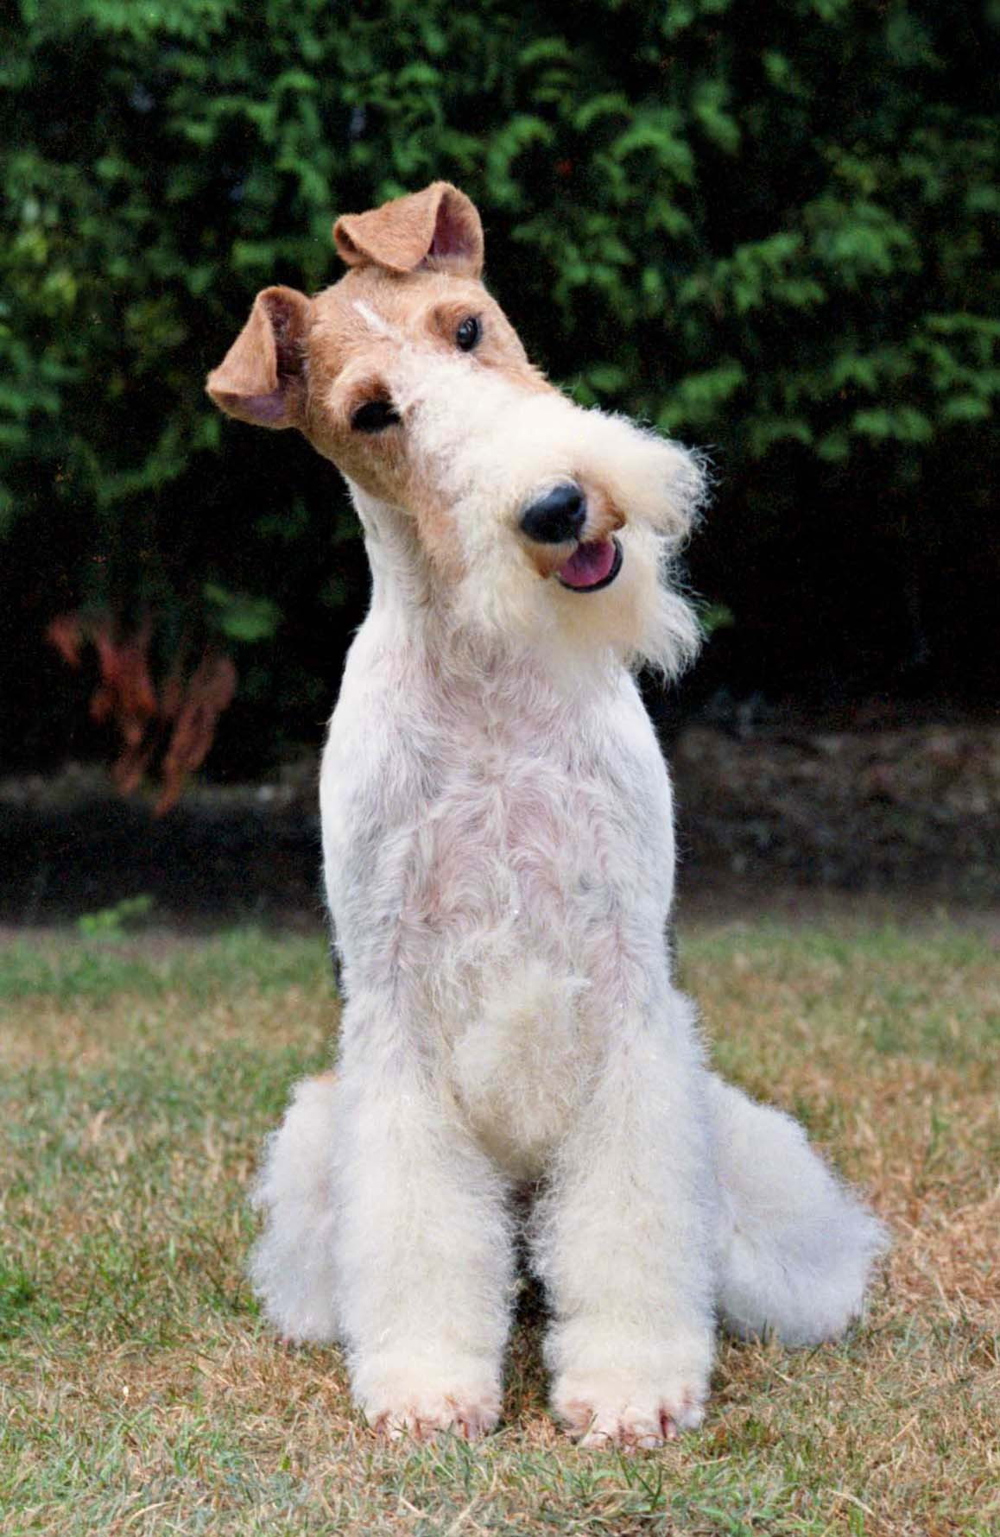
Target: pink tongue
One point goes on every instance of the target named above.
(589, 564)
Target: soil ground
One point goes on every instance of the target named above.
(911, 815)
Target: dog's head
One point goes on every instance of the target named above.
(482, 486)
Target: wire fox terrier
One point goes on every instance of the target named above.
(499, 855)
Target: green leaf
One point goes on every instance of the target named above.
(240, 616)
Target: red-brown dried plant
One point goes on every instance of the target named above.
(176, 722)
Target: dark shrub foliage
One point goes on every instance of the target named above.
(765, 228)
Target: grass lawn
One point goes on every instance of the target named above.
(140, 1393)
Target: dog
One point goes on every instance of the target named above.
(499, 863)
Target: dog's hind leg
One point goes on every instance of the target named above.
(796, 1246)
(292, 1267)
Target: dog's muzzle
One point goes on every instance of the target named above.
(559, 517)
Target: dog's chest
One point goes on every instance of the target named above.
(494, 812)
(512, 834)
(489, 861)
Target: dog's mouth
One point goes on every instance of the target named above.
(592, 565)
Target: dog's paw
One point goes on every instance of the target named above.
(426, 1417)
(424, 1405)
(613, 1408)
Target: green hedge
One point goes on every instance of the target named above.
(764, 228)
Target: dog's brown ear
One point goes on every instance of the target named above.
(438, 226)
(261, 379)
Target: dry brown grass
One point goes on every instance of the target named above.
(140, 1393)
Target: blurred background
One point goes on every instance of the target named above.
(769, 230)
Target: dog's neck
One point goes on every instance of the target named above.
(402, 582)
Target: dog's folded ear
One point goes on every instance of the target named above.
(262, 377)
(438, 227)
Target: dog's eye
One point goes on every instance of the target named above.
(374, 416)
(469, 332)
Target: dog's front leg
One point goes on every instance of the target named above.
(424, 1254)
(623, 1242)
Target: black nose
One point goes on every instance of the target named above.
(556, 517)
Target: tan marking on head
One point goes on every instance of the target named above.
(359, 327)
(260, 378)
(438, 226)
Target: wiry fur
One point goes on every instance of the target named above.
(795, 1245)
(498, 854)
(461, 426)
